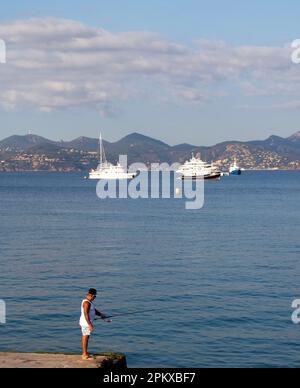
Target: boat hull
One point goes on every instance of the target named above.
(99, 176)
(236, 172)
(213, 177)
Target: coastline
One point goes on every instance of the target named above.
(85, 172)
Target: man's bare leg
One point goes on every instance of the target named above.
(85, 344)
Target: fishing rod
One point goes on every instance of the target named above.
(125, 314)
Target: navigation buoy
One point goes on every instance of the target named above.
(178, 191)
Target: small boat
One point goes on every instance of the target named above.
(196, 168)
(235, 169)
(108, 171)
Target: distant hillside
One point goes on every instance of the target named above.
(295, 137)
(274, 152)
(48, 149)
(139, 148)
(17, 142)
(82, 143)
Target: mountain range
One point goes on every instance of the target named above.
(274, 152)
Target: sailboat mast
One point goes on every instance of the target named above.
(102, 152)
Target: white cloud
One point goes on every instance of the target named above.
(57, 64)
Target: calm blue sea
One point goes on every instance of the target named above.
(222, 278)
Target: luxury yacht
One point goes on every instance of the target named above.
(196, 168)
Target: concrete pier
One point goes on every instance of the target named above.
(52, 360)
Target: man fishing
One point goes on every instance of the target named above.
(88, 314)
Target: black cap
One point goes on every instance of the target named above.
(92, 291)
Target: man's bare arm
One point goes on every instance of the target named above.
(102, 316)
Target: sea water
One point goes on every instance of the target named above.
(221, 279)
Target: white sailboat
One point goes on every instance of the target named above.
(108, 171)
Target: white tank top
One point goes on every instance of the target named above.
(92, 314)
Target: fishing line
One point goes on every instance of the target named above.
(209, 296)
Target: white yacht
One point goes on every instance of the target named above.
(108, 171)
(196, 168)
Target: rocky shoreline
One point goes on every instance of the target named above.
(61, 361)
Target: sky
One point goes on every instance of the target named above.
(192, 71)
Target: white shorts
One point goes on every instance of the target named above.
(85, 331)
